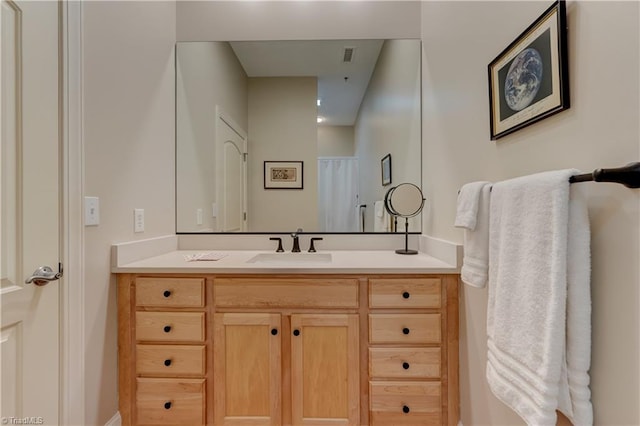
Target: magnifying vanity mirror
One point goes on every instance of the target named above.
(272, 136)
(406, 201)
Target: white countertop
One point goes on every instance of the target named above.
(342, 261)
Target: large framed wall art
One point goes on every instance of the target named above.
(529, 80)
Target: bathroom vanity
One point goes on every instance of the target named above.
(276, 345)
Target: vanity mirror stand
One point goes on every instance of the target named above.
(405, 200)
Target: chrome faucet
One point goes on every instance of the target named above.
(296, 242)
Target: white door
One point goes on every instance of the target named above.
(231, 175)
(30, 211)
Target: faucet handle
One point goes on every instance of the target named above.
(312, 248)
(280, 249)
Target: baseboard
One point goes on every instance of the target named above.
(116, 420)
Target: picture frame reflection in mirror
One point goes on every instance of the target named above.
(283, 175)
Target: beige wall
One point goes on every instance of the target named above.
(335, 141)
(129, 158)
(128, 120)
(282, 127)
(388, 122)
(208, 76)
(599, 130)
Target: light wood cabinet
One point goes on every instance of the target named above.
(288, 349)
(163, 350)
(413, 351)
(325, 370)
(170, 401)
(247, 369)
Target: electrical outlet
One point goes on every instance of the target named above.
(138, 220)
(91, 211)
(199, 217)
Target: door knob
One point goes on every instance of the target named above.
(43, 275)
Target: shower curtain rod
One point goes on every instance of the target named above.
(628, 176)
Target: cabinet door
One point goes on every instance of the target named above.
(247, 364)
(325, 369)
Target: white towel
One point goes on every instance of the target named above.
(538, 316)
(473, 216)
(380, 217)
(468, 202)
(576, 404)
(378, 208)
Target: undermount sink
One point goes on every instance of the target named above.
(291, 258)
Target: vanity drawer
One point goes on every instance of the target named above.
(170, 360)
(286, 292)
(170, 401)
(405, 403)
(170, 292)
(404, 328)
(405, 293)
(170, 326)
(395, 363)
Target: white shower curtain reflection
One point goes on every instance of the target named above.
(337, 194)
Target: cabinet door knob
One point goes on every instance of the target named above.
(167, 405)
(405, 365)
(166, 293)
(406, 295)
(167, 362)
(296, 332)
(274, 331)
(167, 328)
(405, 409)
(405, 330)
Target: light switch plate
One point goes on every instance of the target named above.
(91, 211)
(138, 220)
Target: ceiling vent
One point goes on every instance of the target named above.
(348, 54)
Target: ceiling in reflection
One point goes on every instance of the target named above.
(343, 69)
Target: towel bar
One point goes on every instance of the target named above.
(628, 176)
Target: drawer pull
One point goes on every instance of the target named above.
(296, 332)
(167, 328)
(405, 365)
(406, 295)
(167, 405)
(166, 293)
(405, 409)
(405, 330)
(167, 362)
(274, 331)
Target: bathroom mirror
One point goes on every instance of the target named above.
(272, 136)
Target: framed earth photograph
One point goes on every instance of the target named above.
(529, 80)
